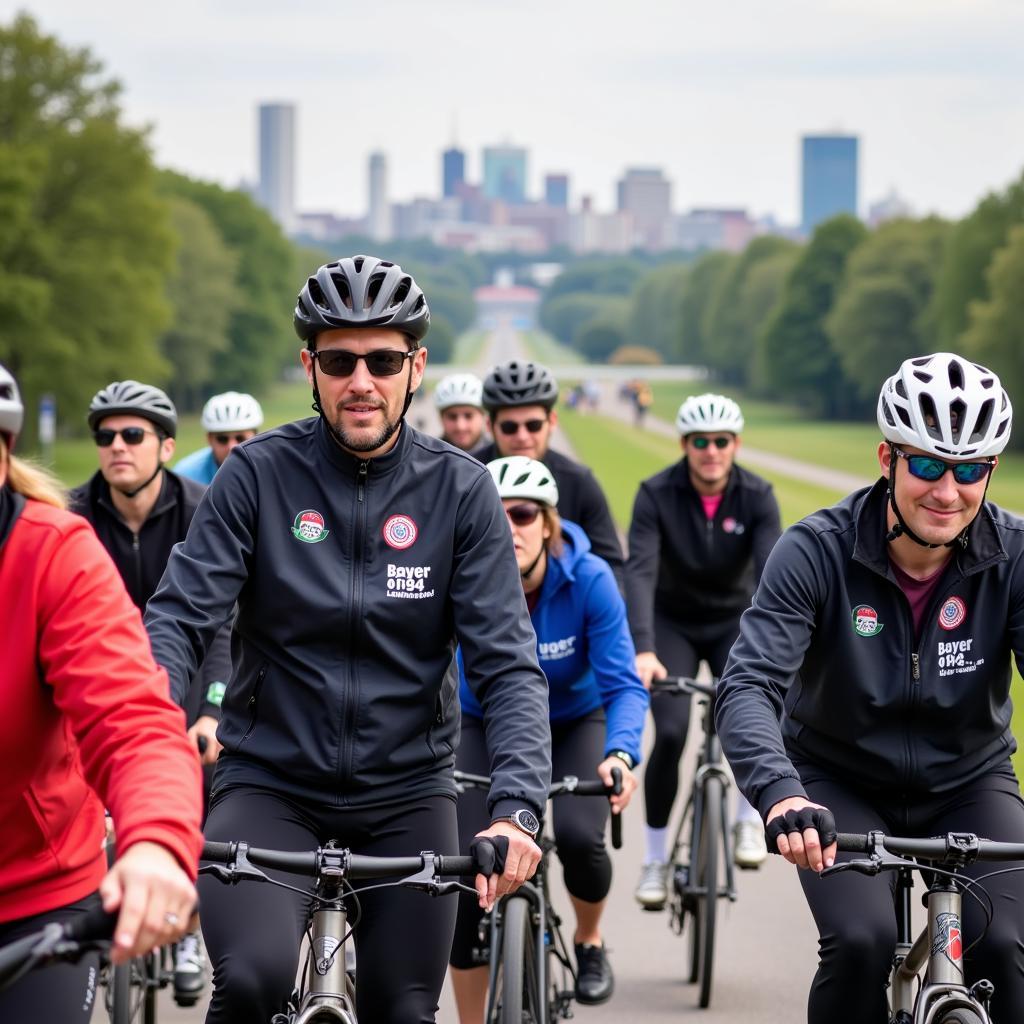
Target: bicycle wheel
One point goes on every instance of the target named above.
(960, 1017)
(705, 878)
(516, 996)
(131, 999)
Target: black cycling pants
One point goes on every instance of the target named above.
(578, 822)
(60, 992)
(253, 931)
(855, 915)
(681, 651)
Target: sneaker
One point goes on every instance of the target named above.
(594, 979)
(651, 891)
(189, 969)
(749, 848)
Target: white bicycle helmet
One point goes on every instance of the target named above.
(12, 411)
(520, 477)
(947, 406)
(704, 414)
(459, 389)
(233, 410)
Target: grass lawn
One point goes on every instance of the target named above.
(546, 349)
(468, 348)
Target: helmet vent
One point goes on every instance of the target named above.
(901, 389)
(316, 294)
(357, 262)
(984, 421)
(343, 291)
(521, 479)
(373, 288)
(401, 293)
(925, 378)
(930, 417)
(957, 415)
(956, 375)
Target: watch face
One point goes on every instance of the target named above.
(527, 820)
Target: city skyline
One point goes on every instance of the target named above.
(718, 99)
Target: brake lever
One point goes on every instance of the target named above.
(872, 866)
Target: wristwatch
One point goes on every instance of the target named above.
(524, 820)
(623, 757)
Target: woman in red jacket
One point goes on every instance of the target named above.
(86, 722)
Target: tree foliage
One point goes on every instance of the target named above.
(657, 309)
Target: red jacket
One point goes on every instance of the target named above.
(84, 710)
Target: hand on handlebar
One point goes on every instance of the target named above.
(521, 862)
(629, 783)
(205, 728)
(792, 830)
(649, 668)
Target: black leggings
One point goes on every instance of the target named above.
(577, 748)
(61, 992)
(253, 931)
(681, 652)
(855, 916)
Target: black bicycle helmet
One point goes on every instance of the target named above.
(518, 383)
(361, 291)
(129, 397)
(12, 411)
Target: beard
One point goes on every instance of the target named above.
(365, 440)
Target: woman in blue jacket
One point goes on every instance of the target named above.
(597, 707)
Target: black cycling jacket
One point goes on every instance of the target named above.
(355, 579)
(142, 558)
(690, 568)
(828, 647)
(580, 500)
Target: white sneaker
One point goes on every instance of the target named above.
(749, 848)
(651, 891)
(189, 966)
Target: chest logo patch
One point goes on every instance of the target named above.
(400, 532)
(865, 620)
(729, 525)
(309, 527)
(952, 613)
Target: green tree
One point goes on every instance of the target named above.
(566, 314)
(440, 339)
(879, 318)
(795, 359)
(692, 341)
(85, 245)
(657, 308)
(599, 337)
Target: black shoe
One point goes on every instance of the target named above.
(594, 979)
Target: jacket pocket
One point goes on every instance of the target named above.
(252, 705)
(441, 725)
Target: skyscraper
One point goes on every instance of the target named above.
(453, 170)
(378, 219)
(505, 173)
(556, 190)
(276, 189)
(829, 178)
(646, 194)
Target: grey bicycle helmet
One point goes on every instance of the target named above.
(519, 383)
(12, 412)
(129, 397)
(361, 291)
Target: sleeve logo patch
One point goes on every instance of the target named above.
(865, 620)
(400, 532)
(309, 527)
(952, 613)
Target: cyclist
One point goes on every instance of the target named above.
(699, 537)
(140, 510)
(228, 419)
(85, 712)
(520, 400)
(881, 636)
(353, 583)
(458, 401)
(597, 708)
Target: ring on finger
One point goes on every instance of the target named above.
(171, 918)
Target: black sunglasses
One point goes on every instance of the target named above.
(510, 427)
(700, 443)
(227, 438)
(930, 468)
(523, 515)
(382, 362)
(104, 437)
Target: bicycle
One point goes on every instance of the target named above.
(701, 859)
(933, 962)
(531, 978)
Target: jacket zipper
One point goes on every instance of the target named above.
(253, 701)
(137, 558)
(355, 615)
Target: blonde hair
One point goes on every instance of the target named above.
(553, 545)
(32, 481)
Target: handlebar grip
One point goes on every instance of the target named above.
(219, 853)
(852, 842)
(202, 743)
(617, 818)
(96, 923)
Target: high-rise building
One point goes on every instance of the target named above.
(829, 168)
(453, 170)
(505, 173)
(556, 190)
(276, 189)
(378, 218)
(646, 194)
(890, 207)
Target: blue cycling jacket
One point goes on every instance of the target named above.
(199, 465)
(584, 646)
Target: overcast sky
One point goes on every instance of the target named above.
(715, 94)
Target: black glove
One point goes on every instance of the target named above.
(488, 853)
(819, 818)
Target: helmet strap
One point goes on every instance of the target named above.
(525, 573)
(142, 487)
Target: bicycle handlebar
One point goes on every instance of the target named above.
(957, 847)
(678, 685)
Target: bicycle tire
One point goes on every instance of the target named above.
(132, 998)
(710, 845)
(961, 1016)
(517, 1000)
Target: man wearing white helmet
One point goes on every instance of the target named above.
(458, 398)
(228, 419)
(699, 537)
(870, 683)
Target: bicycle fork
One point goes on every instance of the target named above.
(330, 994)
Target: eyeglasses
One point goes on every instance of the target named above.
(104, 437)
(522, 515)
(511, 427)
(228, 438)
(700, 443)
(382, 362)
(928, 467)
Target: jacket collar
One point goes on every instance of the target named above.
(984, 547)
(166, 499)
(11, 505)
(682, 476)
(349, 463)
